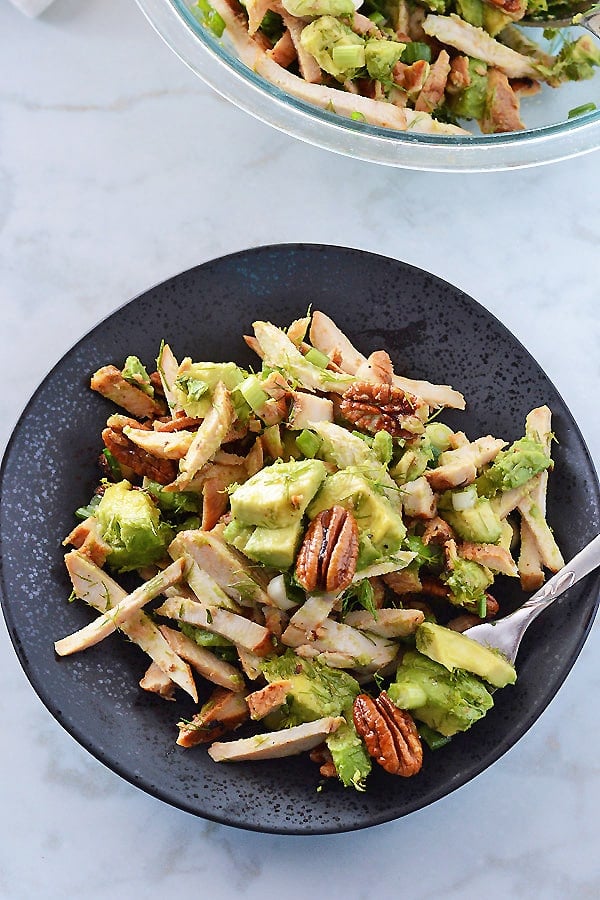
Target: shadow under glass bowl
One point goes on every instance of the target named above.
(550, 135)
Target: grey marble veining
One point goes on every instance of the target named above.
(117, 169)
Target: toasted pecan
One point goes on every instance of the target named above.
(389, 733)
(139, 461)
(383, 407)
(327, 558)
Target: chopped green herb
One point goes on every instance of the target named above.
(582, 110)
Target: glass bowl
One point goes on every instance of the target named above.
(550, 134)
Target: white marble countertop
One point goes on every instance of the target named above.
(117, 169)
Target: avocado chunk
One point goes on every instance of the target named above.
(415, 459)
(457, 651)
(468, 582)
(130, 524)
(515, 466)
(447, 702)
(336, 48)
(312, 8)
(196, 382)
(470, 102)
(273, 546)
(237, 534)
(479, 523)
(381, 57)
(316, 690)
(380, 526)
(278, 495)
(481, 15)
(349, 754)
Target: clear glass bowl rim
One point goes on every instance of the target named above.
(201, 51)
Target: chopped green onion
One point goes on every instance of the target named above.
(317, 358)
(378, 18)
(582, 110)
(349, 56)
(383, 446)
(252, 392)
(357, 116)
(308, 443)
(113, 465)
(414, 51)
(482, 607)
(433, 739)
(208, 16)
(84, 512)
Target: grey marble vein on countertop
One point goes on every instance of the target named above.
(117, 169)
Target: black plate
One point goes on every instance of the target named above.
(431, 330)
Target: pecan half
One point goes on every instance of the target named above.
(139, 461)
(389, 733)
(327, 558)
(383, 407)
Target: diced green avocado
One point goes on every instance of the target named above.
(383, 447)
(457, 651)
(321, 37)
(130, 523)
(415, 459)
(447, 702)
(481, 15)
(507, 538)
(479, 523)
(316, 690)
(237, 534)
(373, 512)
(368, 553)
(274, 546)
(343, 448)
(469, 103)
(468, 582)
(471, 11)
(349, 754)
(494, 19)
(271, 441)
(278, 495)
(381, 57)
(311, 8)
(135, 373)
(517, 465)
(196, 382)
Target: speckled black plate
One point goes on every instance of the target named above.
(432, 330)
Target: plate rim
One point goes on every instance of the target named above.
(508, 741)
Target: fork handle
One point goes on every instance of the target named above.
(581, 565)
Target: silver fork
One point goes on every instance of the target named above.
(580, 13)
(505, 634)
